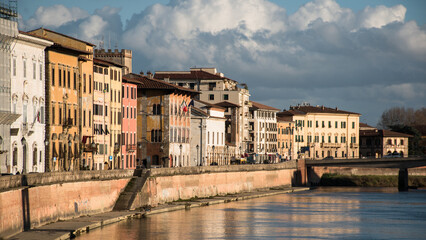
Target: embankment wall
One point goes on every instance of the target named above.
(315, 173)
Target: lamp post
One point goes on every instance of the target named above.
(227, 155)
(180, 158)
(213, 154)
(198, 157)
(93, 145)
(69, 149)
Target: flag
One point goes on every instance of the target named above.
(38, 116)
(183, 106)
(191, 103)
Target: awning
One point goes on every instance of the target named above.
(7, 118)
(14, 131)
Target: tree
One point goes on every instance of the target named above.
(414, 144)
(402, 116)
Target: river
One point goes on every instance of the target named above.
(322, 213)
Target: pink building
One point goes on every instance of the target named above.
(128, 125)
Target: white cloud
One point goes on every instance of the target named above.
(323, 53)
(381, 15)
(55, 16)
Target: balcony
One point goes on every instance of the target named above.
(131, 147)
(330, 145)
(354, 145)
(89, 148)
(68, 122)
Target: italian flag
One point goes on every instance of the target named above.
(184, 106)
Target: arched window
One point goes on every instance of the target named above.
(34, 155)
(15, 155)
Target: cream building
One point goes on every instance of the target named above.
(215, 88)
(28, 100)
(323, 132)
(263, 133)
(285, 138)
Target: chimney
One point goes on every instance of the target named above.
(149, 74)
(167, 79)
(141, 73)
(322, 107)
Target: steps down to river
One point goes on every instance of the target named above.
(126, 198)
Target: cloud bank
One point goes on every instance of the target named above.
(325, 54)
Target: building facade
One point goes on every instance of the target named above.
(8, 33)
(208, 135)
(377, 143)
(28, 100)
(323, 132)
(122, 57)
(128, 125)
(163, 122)
(69, 101)
(215, 88)
(263, 133)
(285, 139)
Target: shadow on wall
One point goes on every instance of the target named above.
(25, 204)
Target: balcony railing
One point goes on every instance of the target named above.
(354, 145)
(131, 147)
(68, 122)
(330, 145)
(88, 148)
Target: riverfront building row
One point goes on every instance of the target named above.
(73, 107)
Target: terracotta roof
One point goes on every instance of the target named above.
(59, 46)
(209, 105)
(197, 111)
(282, 119)
(45, 29)
(227, 104)
(303, 110)
(34, 35)
(256, 105)
(151, 83)
(382, 133)
(192, 75)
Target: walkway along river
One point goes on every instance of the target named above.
(323, 213)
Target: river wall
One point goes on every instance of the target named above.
(314, 174)
(168, 185)
(32, 200)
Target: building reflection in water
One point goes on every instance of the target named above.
(323, 214)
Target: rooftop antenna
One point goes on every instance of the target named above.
(101, 43)
(109, 40)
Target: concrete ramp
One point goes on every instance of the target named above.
(127, 197)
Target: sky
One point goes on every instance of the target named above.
(360, 56)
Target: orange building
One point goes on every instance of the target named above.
(285, 138)
(69, 101)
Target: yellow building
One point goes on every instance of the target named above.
(107, 114)
(285, 138)
(69, 100)
(323, 132)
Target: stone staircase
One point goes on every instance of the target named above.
(127, 197)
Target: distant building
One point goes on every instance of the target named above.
(321, 131)
(163, 122)
(377, 143)
(28, 100)
(215, 88)
(208, 135)
(285, 138)
(263, 132)
(122, 57)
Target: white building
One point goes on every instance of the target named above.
(28, 100)
(263, 132)
(208, 135)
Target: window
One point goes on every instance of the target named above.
(90, 83)
(53, 76)
(335, 139)
(316, 123)
(34, 70)
(63, 71)
(24, 112)
(211, 97)
(191, 85)
(322, 139)
(329, 139)
(343, 124)
(14, 67)
(401, 142)
(111, 74)
(75, 117)
(225, 97)
(59, 77)
(41, 114)
(180, 84)
(212, 86)
(53, 115)
(69, 79)
(84, 83)
(329, 124)
(25, 68)
(84, 118)
(60, 115)
(323, 124)
(41, 71)
(353, 125)
(75, 81)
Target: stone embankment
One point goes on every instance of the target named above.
(33, 200)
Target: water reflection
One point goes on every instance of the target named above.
(326, 213)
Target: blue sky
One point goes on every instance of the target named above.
(360, 56)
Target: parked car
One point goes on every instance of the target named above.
(213, 164)
(328, 158)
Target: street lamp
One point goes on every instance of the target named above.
(213, 154)
(198, 147)
(93, 145)
(227, 155)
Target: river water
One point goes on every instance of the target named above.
(323, 213)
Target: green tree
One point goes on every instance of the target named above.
(414, 143)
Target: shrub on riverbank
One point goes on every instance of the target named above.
(369, 181)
